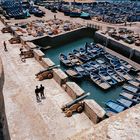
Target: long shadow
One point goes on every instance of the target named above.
(4, 133)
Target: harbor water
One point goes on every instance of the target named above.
(99, 95)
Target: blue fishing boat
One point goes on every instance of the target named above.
(86, 52)
(131, 88)
(82, 56)
(137, 79)
(74, 59)
(114, 75)
(109, 56)
(85, 15)
(94, 49)
(105, 76)
(110, 112)
(73, 74)
(122, 73)
(88, 67)
(94, 64)
(75, 13)
(115, 106)
(134, 98)
(128, 66)
(100, 61)
(64, 60)
(81, 71)
(134, 83)
(124, 102)
(99, 81)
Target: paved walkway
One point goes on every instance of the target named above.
(28, 119)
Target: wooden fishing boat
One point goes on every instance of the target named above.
(138, 79)
(81, 71)
(73, 74)
(74, 59)
(128, 66)
(110, 112)
(114, 75)
(94, 50)
(116, 64)
(122, 73)
(124, 102)
(134, 98)
(85, 15)
(115, 106)
(88, 67)
(94, 64)
(109, 56)
(64, 60)
(75, 13)
(87, 53)
(82, 56)
(134, 83)
(105, 76)
(99, 81)
(130, 88)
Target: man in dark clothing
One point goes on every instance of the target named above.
(5, 48)
(37, 93)
(42, 91)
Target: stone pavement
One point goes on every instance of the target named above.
(28, 119)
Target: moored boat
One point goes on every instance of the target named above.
(99, 81)
(123, 74)
(128, 66)
(130, 88)
(74, 75)
(115, 106)
(105, 76)
(85, 15)
(82, 56)
(64, 60)
(114, 75)
(74, 59)
(134, 83)
(81, 71)
(94, 64)
(135, 99)
(138, 79)
(124, 102)
(88, 67)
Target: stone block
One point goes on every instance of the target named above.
(46, 62)
(94, 111)
(38, 55)
(59, 76)
(30, 45)
(74, 90)
(23, 41)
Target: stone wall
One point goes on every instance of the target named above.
(3, 120)
(116, 46)
(64, 38)
(73, 90)
(94, 111)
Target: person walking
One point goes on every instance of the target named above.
(5, 48)
(37, 93)
(42, 91)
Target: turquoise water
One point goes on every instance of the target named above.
(97, 94)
